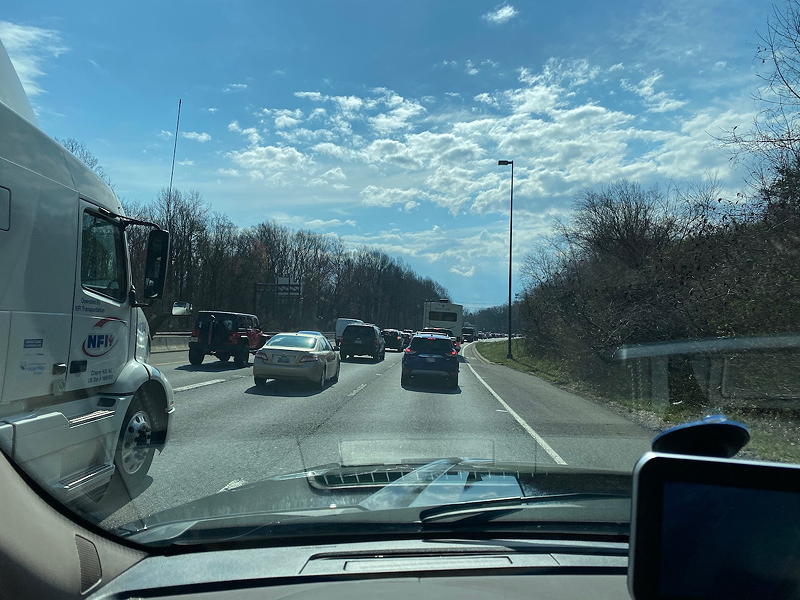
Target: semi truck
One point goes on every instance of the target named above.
(80, 405)
(442, 313)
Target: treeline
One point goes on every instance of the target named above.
(216, 265)
(638, 266)
(494, 318)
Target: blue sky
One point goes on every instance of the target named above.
(383, 121)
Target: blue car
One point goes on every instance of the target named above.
(430, 354)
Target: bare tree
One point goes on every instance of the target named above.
(87, 157)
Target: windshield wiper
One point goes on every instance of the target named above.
(487, 510)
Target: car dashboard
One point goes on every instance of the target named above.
(425, 569)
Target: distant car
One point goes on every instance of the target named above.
(297, 356)
(393, 339)
(225, 334)
(433, 355)
(341, 323)
(362, 339)
(468, 334)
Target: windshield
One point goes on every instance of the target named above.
(598, 202)
(292, 341)
(355, 331)
(431, 345)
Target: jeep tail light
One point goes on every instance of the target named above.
(195, 335)
(233, 338)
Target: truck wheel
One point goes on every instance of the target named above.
(242, 357)
(135, 450)
(196, 357)
(260, 381)
(223, 356)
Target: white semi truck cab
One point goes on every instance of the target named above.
(79, 403)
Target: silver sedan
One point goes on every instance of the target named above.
(297, 356)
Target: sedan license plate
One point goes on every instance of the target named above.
(282, 358)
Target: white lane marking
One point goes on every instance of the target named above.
(355, 391)
(233, 485)
(196, 385)
(539, 439)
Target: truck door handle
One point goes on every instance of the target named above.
(59, 368)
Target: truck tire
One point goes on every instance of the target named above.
(135, 449)
(260, 381)
(223, 356)
(242, 357)
(196, 357)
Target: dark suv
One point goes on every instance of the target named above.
(430, 354)
(358, 339)
(393, 339)
(225, 334)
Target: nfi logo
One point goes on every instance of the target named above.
(98, 344)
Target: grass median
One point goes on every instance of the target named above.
(774, 434)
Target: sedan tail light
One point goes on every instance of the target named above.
(263, 356)
(452, 353)
(308, 358)
(409, 351)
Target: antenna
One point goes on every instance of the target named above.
(174, 148)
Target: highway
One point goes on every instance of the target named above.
(226, 432)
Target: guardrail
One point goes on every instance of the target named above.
(175, 341)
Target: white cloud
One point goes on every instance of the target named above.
(186, 163)
(373, 195)
(313, 96)
(616, 67)
(228, 172)
(196, 136)
(234, 87)
(463, 272)
(329, 223)
(212, 109)
(501, 15)
(485, 98)
(165, 134)
(470, 68)
(657, 102)
(29, 48)
(273, 162)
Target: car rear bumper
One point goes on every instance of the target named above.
(304, 371)
(430, 369)
(358, 350)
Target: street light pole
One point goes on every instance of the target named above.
(510, 233)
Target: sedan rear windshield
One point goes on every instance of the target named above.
(293, 341)
(431, 346)
(354, 331)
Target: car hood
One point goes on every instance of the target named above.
(336, 489)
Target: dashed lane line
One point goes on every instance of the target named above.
(539, 439)
(355, 391)
(192, 386)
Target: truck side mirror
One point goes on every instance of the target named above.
(155, 268)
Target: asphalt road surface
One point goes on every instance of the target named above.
(226, 432)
